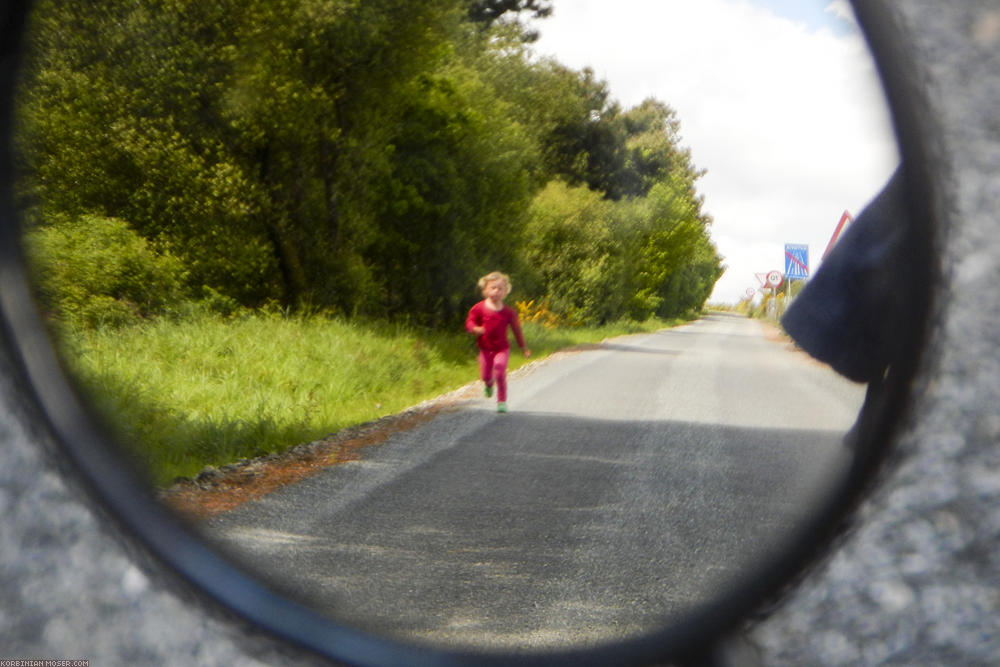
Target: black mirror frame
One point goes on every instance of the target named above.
(117, 492)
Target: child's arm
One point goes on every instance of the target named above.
(515, 325)
(473, 322)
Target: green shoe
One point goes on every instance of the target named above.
(501, 407)
(488, 391)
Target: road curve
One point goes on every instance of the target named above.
(627, 483)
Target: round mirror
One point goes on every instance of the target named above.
(255, 233)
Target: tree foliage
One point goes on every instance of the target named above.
(488, 12)
(369, 158)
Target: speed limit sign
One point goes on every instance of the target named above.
(773, 279)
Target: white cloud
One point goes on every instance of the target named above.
(841, 9)
(788, 120)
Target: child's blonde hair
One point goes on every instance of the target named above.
(495, 275)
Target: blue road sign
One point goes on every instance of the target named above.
(796, 261)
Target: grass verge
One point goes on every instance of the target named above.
(180, 396)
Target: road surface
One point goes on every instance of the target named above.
(627, 483)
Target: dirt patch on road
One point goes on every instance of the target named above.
(776, 334)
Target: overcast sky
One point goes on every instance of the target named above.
(777, 99)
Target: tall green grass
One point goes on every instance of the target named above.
(181, 395)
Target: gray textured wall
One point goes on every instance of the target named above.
(917, 582)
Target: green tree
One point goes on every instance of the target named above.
(587, 146)
(671, 240)
(249, 138)
(117, 120)
(574, 253)
(366, 157)
(652, 148)
(460, 184)
(321, 91)
(646, 251)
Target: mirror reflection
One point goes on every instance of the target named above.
(264, 236)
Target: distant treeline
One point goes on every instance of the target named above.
(364, 158)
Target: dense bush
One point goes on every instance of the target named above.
(94, 271)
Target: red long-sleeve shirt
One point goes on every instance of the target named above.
(494, 339)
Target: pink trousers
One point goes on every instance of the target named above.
(493, 367)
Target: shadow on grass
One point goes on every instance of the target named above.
(163, 447)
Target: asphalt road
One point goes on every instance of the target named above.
(627, 483)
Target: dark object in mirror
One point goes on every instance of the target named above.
(852, 313)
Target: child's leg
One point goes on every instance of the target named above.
(486, 367)
(500, 371)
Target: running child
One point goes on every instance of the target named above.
(489, 320)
